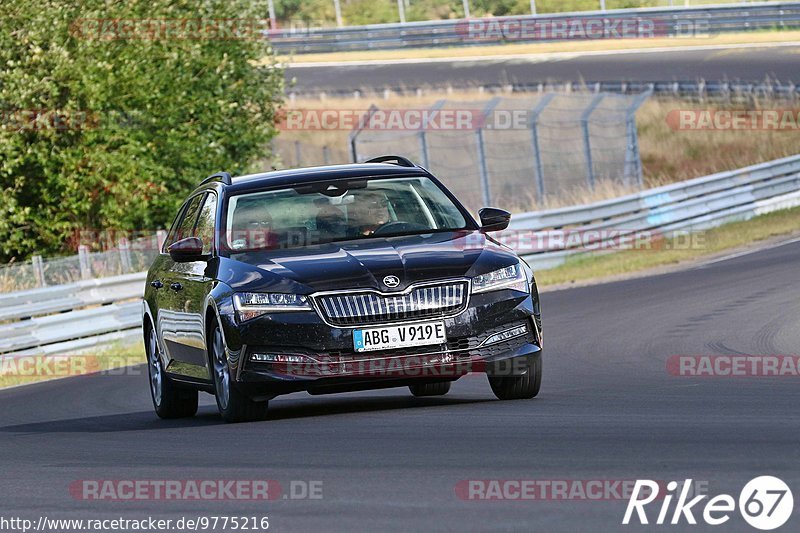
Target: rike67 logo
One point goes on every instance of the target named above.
(765, 503)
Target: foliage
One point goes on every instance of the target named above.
(104, 128)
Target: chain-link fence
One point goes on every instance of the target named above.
(129, 255)
(517, 152)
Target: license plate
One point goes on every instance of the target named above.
(403, 336)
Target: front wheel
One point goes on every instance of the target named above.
(519, 387)
(233, 405)
(169, 401)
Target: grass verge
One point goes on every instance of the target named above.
(604, 45)
(16, 371)
(707, 243)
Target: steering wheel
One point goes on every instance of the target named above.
(399, 226)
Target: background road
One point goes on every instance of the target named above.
(746, 64)
(607, 410)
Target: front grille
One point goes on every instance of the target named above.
(357, 308)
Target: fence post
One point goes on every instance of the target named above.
(587, 143)
(537, 155)
(38, 270)
(357, 130)
(298, 158)
(483, 168)
(633, 159)
(161, 238)
(125, 255)
(423, 142)
(423, 149)
(83, 262)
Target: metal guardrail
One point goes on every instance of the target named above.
(694, 204)
(667, 21)
(68, 318)
(700, 90)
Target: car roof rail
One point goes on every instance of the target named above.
(394, 159)
(224, 177)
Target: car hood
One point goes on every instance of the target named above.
(364, 263)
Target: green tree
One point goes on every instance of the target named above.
(112, 111)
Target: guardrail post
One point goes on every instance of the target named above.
(537, 154)
(38, 270)
(587, 143)
(125, 255)
(83, 262)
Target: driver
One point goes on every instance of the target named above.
(373, 212)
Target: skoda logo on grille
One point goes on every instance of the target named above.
(391, 281)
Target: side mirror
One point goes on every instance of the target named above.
(493, 219)
(186, 250)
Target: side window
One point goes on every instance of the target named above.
(185, 227)
(205, 223)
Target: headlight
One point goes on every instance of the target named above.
(511, 277)
(252, 304)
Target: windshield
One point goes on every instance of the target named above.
(339, 210)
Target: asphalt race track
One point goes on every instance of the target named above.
(608, 410)
(745, 64)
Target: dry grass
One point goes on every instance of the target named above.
(765, 37)
(669, 155)
(16, 371)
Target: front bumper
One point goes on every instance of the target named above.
(324, 359)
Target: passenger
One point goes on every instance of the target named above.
(252, 229)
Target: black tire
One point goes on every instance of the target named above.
(233, 405)
(522, 387)
(430, 389)
(169, 400)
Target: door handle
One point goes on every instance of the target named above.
(176, 286)
(156, 284)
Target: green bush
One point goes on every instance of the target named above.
(141, 120)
